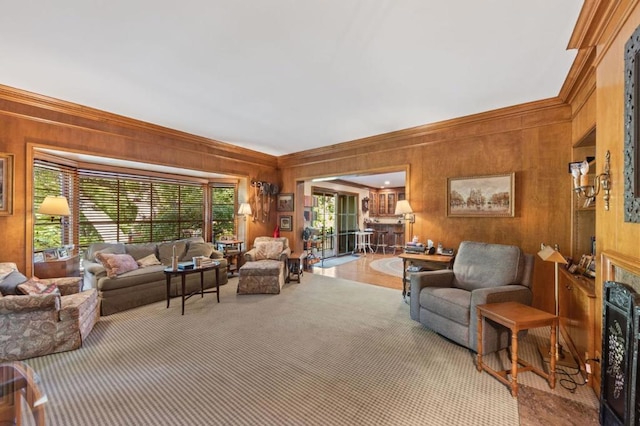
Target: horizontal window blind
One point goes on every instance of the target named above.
(132, 208)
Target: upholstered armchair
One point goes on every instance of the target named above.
(39, 324)
(264, 267)
(267, 248)
(445, 301)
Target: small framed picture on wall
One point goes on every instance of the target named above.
(286, 223)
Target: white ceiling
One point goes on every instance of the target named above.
(283, 76)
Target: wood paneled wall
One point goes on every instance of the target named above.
(608, 28)
(532, 140)
(28, 120)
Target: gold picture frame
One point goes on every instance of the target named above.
(481, 196)
(6, 185)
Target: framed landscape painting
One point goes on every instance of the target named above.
(481, 196)
(284, 202)
(6, 184)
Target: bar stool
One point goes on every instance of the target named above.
(397, 238)
(381, 241)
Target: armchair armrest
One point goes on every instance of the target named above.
(505, 293)
(420, 280)
(285, 254)
(29, 303)
(66, 285)
(250, 256)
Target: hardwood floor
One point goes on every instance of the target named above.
(359, 270)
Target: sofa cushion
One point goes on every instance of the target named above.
(33, 286)
(138, 251)
(482, 265)
(268, 250)
(116, 264)
(9, 286)
(165, 251)
(149, 260)
(197, 249)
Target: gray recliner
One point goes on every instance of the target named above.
(445, 301)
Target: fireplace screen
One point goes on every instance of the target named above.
(619, 354)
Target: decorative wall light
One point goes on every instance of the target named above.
(55, 205)
(581, 186)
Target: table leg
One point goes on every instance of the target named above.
(552, 356)
(479, 342)
(168, 277)
(201, 283)
(184, 277)
(514, 363)
(217, 284)
(404, 278)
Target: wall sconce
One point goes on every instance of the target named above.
(55, 205)
(244, 210)
(602, 181)
(404, 208)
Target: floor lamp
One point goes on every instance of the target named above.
(549, 254)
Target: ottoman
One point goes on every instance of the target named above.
(262, 276)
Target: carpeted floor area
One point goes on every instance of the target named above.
(323, 352)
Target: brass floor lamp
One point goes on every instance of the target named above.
(549, 254)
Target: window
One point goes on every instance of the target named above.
(52, 179)
(223, 203)
(135, 209)
(115, 206)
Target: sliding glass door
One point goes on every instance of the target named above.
(324, 220)
(347, 223)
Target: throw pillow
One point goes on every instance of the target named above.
(9, 286)
(268, 250)
(33, 286)
(148, 261)
(116, 264)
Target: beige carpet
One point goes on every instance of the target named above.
(323, 352)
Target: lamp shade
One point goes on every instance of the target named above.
(548, 254)
(55, 205)
(403, 207)
(245, 209)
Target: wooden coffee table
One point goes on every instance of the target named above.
(169, 272)
(516, 317)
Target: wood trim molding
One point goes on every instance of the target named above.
(410, 137)
(35, 100)
(592, 20)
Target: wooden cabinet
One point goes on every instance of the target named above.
(69, 267)
(577, 302)
(385, 201)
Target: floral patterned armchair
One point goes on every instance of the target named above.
(39, 324)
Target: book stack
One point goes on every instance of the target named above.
(411, 247)
(202, 261)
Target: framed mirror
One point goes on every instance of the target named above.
(632, 129)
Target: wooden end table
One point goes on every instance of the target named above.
(516, 317)
(294, 268)
(169, 272)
